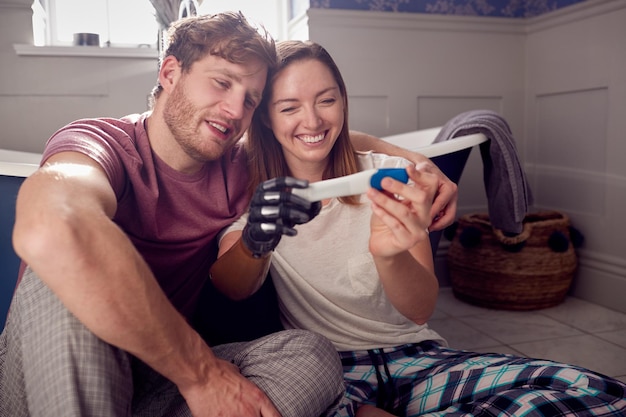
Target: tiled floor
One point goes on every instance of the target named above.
(576, 332)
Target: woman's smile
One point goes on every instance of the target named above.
(312, 139)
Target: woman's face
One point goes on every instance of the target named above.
(306, 112)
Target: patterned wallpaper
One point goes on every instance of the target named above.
(496, 8)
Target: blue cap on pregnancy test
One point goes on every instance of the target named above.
(398, 174)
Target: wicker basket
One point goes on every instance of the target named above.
(528, 271)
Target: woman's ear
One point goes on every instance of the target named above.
(169, 72)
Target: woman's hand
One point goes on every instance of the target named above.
(443, 209)
(399, 223)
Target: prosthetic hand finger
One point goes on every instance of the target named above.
(266, 195)
(266, 232)
(274, 210)
(283, 183)
(292, 208)
(262, 238)
(306, 210)
(297, 210)
(288, 214)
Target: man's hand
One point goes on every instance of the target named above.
(274, 210)
(443, 209)
(226, 393)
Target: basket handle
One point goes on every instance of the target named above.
(514, 240)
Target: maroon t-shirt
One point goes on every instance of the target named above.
(172, 218)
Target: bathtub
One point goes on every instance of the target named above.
(15, 166)
(450, 156)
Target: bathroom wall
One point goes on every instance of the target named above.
(41, 89)
(557, 78)
(575, 140)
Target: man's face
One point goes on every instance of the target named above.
(211, 106)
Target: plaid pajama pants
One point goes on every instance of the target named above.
(51, 365)
(429, 380)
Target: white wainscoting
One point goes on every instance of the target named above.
(575, 135)
(559, 79)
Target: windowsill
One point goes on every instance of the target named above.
(85, 51)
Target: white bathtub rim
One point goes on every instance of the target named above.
(11, 169)
(18, 163)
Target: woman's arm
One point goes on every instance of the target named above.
(244, 255)
(237, 273)
(400, 246)
(443, 210)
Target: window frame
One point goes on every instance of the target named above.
(50, 34)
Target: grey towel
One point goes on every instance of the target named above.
(506, 186)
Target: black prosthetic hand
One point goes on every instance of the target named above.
(274, 211)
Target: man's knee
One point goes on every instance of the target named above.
(316, 349)
(310, 370)
(305, 346)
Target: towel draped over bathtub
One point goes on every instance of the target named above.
(506, 185)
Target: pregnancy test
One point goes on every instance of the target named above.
(350, 184)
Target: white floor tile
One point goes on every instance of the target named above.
(460, 335)
(507, 350)
(438, 314)
(449, 304)
(618, 337)
(587, 351)
(587, 316)
(575, 332)
(515, 327)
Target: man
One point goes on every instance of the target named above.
(118, 229)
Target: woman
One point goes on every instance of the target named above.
(371, 291)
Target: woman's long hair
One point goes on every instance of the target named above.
(265, 154)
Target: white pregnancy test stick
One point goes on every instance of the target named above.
(352, 184)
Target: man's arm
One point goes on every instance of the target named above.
(64, 232)
(443, 211)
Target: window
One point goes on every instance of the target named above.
(119, 23)
(272, 14)
(132, 23)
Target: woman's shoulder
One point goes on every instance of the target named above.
(370, 160)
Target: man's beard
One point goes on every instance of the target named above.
(183, 120)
